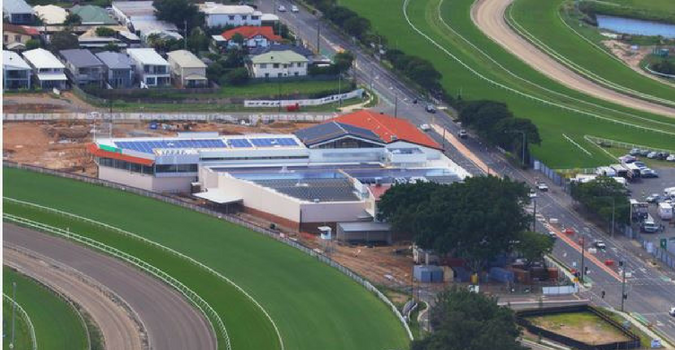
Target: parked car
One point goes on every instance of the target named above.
(648, 173)
(634, 152)
(463, 134)
(671, 158)
(640, 165)
(644, 152)
(281, 8)
(430, 108)
(294, 9)
(653, 198)
(652, 155)
(627, 158)
(425, 127)
(542, 187)
(672, 311)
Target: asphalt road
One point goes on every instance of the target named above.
(170, 321)
(118, 325)
(651, 291)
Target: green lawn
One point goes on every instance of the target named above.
(57, 326)
(286, 88)
(542, 24)
(21, 333)
(656, 10)
(314, 306)
(584, 326)
(522, 88)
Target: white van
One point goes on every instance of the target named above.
(665, 211)
(669, 191)
(649, 226)
(605, 171)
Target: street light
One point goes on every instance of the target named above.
(623, 283)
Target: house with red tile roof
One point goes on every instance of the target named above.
(253, 36)
(389, 128)
(14, 37)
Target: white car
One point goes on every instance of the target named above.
(294, 9)
(542, 187)
(425, 127)
(672, 311)
(281, 8)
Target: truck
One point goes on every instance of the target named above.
(665, 211)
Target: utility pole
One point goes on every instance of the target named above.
(318, 37)
(623, 283)
(186, 34)
(583, 258)
(11, 343)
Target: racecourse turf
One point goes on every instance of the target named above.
(57, 326)
(542, 20)
(21, 333)
(556, 151)
(314, 305)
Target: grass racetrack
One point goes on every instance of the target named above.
(57, 326)
(313, 305)
(542, 24)
(21, 333)
(481, 69)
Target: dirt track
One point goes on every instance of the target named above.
(488, 16)
(117, 325)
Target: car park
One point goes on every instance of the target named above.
(463, 134)
(294, 9)
(281, 8)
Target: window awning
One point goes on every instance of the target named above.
(51, 76)
(217, 197)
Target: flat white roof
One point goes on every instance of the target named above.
(219, 9)
(217, 196)
(269, 17)
(11, 59)
(147, 56)
(41, 58)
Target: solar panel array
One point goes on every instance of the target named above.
(239, 143)
(273, 142)
(325, 190)
(149, 146)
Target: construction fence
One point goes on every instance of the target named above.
(204, 117)
(230, 218)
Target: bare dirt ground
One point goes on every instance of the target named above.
(488, 16)
(62, 145)
(631, 57)
(44, 103)
(584, 327)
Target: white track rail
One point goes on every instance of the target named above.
(25, 316)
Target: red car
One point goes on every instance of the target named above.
(568, 231)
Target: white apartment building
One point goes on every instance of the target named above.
(150, 67)
(278, 64)
(235, 15)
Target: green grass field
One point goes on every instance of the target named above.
(655, 10)
(21, 333)
(57, 326)
(523, 89)
(314, 305)
(543, 24)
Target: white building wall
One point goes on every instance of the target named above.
(261, 198)
(126, 177)
(263, 70)
(332, 211)
(346, 155)
(215, 20)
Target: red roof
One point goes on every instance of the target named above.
(378, 191)
(93, 149)
(388, 128)
(250, 31)
(26, 30)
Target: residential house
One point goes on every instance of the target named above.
(119, 69)
(278, 64)
(218, 15)
(16, 73)
(253, 36)
(187, 69)
(50, 14)
(300, 50)
(48, 70)
(150, 68)
(17, 12)
(93, 15)
(83, 67)
(139, 16)
(15, 37)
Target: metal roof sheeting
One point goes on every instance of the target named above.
(41, 58)
(80, 58)
(286, 56)
(147, 56)
(51, 14)
(12, 60)
(115, 60)
(16, 6)
(186, 59)
(333, 130)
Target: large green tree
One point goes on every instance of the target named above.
(179, 12)
(462, 320)
(533, 246)
(604, 196)
(477, 219)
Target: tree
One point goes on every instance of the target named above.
(343, 61)
(105, 32)
(64, 40)
(238, 39)
(72, 20)
(356, 26)
(475, 220)
(179, 12)
(533, 246)
(237, 76)
(198, 41)
(463, 320)
(664, 66)
(604, 196)
(32, 44)
(214, 71)
(111, 47)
